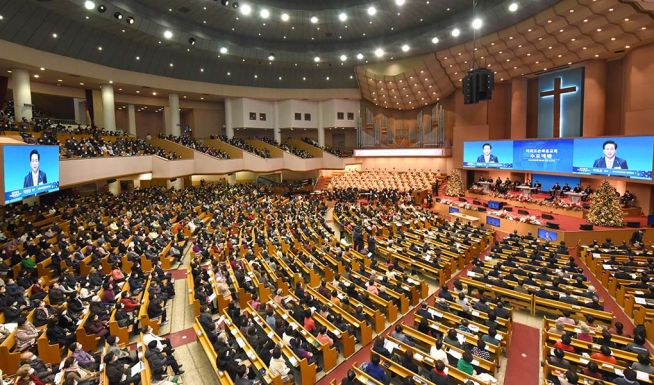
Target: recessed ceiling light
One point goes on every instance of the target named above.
(138, 92)
(343, 57)
(280, 78)
(36, 76)
(171, 65)
(327, 78)
(42, 69)
(118, 15)
(304, 78)
(246, 10)
(138, 58)
(154, 93)
(477, 23)
(271, 57)
(168, 34)
(379, 52)
(372, 11)
(264, 13)
(89, 5)
(316, 59)
(54, 35)
(229, 74)
(201, 69)
(130, 20)
(405, 48)
(513, 7)
(434, 40)
(313, 19)
(100, 48)
(60, 80)
(285, 17)
(81, 84)
(342, 16)
(256, 76)
(223, 50)
(359, 56)
(111, 82)
(456, 32)
(192, 41)
(400, 3)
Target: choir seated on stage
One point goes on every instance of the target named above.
(416, 180)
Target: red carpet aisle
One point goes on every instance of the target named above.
(523, 367)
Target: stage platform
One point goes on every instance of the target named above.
(568, 225)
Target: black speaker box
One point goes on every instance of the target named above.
(476, 202)
(463, 200)
(481, 209)
(438, 199)
(547, 216)
(552, 225)
(478, 85)
(509, 209)
(523, 212)
(633, 224)
(585, 226)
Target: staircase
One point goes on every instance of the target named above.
(322, 183)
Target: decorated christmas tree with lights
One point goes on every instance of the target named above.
(454, 186)
(605, 209)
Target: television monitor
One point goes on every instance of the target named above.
(29, 170)
(454, 210)
(495, 205)
(496, 154)
(492, 221)
(543, 155)
(547, 235)
(627, 156)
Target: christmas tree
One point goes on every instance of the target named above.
(605, 209)
(454, 186)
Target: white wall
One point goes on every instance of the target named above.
(241, 109)
(331, 108)
(288, 109)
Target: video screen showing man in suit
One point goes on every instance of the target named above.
(486, 156)
(35, 176)
(610, 160)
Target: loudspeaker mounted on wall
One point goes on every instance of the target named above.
(552, 225)
(547, 216)
(463, 200)
(585, 226)
(523, 212)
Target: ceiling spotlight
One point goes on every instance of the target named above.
(264, 13)
(191, 40)
(224, 3)
(129, 20)
(359, 56)
(118, 15)
(223, 50)
(89, 5)
(54, 36)
(372, 11)
(379, 52)
(513, 7)
(285, 17)
(342, 16)
(477, 23)
(405, 48)
(168, 34)
(246, 10)
(271, 56)
(102, 8)
(314, 20)
(343, 57)
(456, 32)
(434, 40)
(400, 3)
(235, 4)
(316, 59)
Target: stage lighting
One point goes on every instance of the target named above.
(89, 5)
(225, 3)
(118, 15)
(235, 4)
(129, 20)
(191, 41)
(102, 8)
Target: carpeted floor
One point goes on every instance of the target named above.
(523, 366)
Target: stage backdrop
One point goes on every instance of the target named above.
(566, 87)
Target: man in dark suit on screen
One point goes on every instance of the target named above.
(487, 157)
(35, 177)
(609, 160)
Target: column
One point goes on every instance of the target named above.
(173, 120)
(594, 98)
(114, 187)
(131, 119)
(519, 108)
(321, 126)
(277, 131)
(79, 112)
(20, 80)
(229, 123)
(231, 179)
(166, 119)
(108, 107)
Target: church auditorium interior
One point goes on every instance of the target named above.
(332, 192)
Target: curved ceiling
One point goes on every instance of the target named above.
(233, 48)
(570, 33)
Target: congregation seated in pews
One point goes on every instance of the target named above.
(196, 145)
